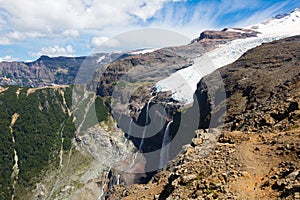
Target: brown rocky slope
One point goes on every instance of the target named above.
(257, 153)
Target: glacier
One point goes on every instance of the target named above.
(183, 83)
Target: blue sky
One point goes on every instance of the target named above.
(31, 28)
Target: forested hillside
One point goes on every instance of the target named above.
(35, 127)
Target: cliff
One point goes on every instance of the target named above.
(256, 155)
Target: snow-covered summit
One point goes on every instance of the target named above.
(284, 23)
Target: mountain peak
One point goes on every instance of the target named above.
(297, 10)
(280, 16)
(226, 34)
(288, 24)
(283, 24)
(43, 57)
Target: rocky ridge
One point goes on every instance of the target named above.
(42, 72)
(262, 87)
(47, 71)
(258, 149)
(213, 38)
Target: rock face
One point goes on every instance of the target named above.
(149, 68)
(262, 87)
(227, 34)
(49, 71)
(210, 39)
(257, 152)
(42, 72)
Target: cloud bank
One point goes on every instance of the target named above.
(54, 51)
(52, 25)
(34, 18)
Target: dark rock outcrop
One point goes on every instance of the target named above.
(227, 35)
(144, 68)
(211, 39)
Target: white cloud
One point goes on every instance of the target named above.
(147, 9)
(5, 41)
(78, 21)
(16, 35)
(7, 59)
(13, 36)
(68, 18)
(54, 51)
(104, 42)
(211, 15)
(71, 33)
(148, 38)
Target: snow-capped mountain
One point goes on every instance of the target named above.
(186, 79)
(280, 24)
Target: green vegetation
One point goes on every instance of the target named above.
(101, 110)
(37, 133)
(96, 114)
(6, 159)
(89, 110)
(189, 183)
(41, 124)
(291, 127)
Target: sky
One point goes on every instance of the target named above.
(31, 28)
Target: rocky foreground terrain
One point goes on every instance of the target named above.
(241, 166)
(256, 153)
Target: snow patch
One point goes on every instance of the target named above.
(144, 51)
(100, 59)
